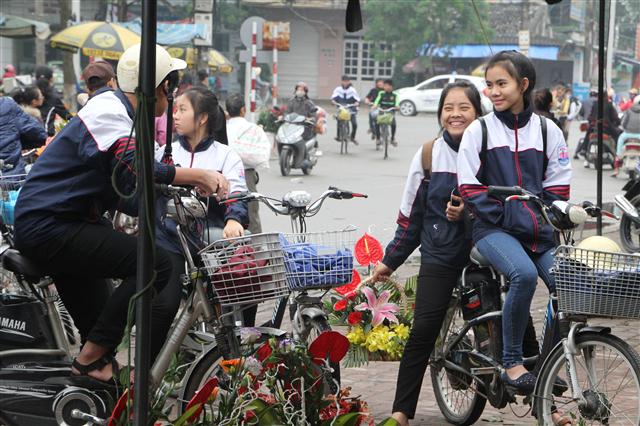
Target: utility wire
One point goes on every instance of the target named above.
(484, 32)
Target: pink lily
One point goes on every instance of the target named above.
(379, 307)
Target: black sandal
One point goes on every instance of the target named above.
(99, 364)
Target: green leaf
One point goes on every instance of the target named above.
(183, 419)
(388, 422)
(350, 419)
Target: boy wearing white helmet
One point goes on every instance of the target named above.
(59, 215)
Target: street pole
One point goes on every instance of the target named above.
(146, 236)
(254, 64)
(601, 95)
(610, 40)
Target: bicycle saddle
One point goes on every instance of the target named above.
(478, 258)
(13, 261)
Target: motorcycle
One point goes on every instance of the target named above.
(294, 151)
(629, 203)
(608, 152)
(630, 157)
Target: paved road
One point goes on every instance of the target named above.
(364, 170)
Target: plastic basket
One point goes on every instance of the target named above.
(9, 190)
(385, 118)
(246, 270)
(597, 283)
(318, 259)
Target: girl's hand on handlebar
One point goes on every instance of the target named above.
(232, 229)
(381, 272)
(455, 212)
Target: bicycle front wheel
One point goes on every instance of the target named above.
(608, 372)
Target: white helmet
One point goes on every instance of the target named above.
(129, 65)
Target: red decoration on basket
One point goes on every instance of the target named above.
(201, 397)
(329, 344)
(347, 289)
(368, 250)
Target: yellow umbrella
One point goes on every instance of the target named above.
(102, 39)
(218, 62)
(479, 70)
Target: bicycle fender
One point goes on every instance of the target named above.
(598, 329)
(313, 312)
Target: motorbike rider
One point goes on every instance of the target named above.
(631, 129)
(387, 99)
(198, 118)
(346, 94)
(59, 219)
(18, 131)
(610, 123)
(372, 96)
(509, 234)
(301, 104)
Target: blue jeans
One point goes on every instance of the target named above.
(522, 268)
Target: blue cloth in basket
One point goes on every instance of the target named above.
(307, 268)
(7, 207)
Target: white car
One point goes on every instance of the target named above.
(424, 97)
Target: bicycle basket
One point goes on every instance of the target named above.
(344, 114)
(597, 283)
(9, 189)
(318, 259)
(385, 118)
(246, 270)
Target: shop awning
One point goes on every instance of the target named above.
(171, 34)
(16, 27)
(483, 51)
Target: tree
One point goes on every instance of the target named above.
(411, 24)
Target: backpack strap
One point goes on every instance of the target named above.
(427, 155)
(545, 159)
(483, 150)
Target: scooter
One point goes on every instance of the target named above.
(630, 157)
(294, 151)
(629, 203)
(608, 153)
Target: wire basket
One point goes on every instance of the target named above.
(9, 189)
(246, 270)
(597, 283)
(318, 259)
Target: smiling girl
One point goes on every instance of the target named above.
(511, 234)
(431, 217)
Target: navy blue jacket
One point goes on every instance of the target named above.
(17, 128)
(422, 219)
(71, 182)
(514, 157)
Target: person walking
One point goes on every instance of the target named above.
(52, 104)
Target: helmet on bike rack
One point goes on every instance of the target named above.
(598, 261)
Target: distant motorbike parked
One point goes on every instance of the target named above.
(295, 152)
(630, 157)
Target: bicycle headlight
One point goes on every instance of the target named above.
(297, 198)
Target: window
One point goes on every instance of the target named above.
(435, 84)
(360, 63)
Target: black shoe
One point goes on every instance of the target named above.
(523, 385)
(559, 386)
(355, 142)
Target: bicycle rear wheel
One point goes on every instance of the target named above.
(608, 371)
(457, 393)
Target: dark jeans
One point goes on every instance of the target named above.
(81, 262)
(354, 125)
(433, 293)
(522, 268)
(393, 130)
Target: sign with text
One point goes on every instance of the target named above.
(283, 39)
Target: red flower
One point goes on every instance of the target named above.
(264, 352)
(354, 318)
(368, 250)
(347, 289)
(340, 305)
